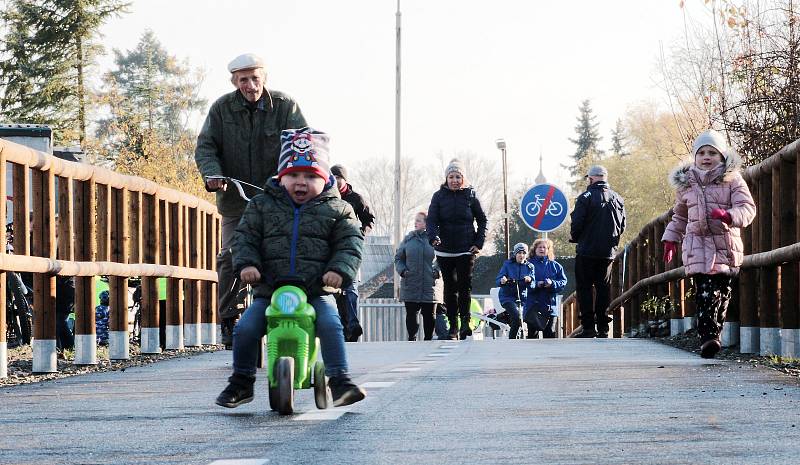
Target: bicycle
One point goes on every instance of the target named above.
(240, 300)
(533, 208)
(19, 316)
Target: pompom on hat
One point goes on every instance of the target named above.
(246, 61)
(455, 166)
(714, 139)
(304, 149)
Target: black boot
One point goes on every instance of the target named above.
(344, 391)
(238, 392)
(465, 330)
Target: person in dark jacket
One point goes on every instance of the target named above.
(520, 272)
(453, 215)
(348, 302)
(240, 138)
(550, 281)
(420, 279)
(299, 226)
(598, 221)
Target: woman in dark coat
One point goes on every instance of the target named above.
(457, 229)
(421, 284)
(541, 299)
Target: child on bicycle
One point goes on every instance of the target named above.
(301, 227)
(514, 279)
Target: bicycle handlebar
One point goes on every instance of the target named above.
(238, 183)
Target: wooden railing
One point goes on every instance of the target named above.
(764, 313)
(107, 224)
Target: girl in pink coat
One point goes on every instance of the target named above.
(712, 203)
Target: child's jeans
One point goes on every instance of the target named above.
(712, 294)
(250, 329)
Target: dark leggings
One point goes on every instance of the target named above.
(712, 292)
(457, 275)
(427, 309)
(514, 318)
(549, 329)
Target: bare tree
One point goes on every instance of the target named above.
(739, 73)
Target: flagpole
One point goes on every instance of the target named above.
(397, 171)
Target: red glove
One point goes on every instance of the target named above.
(722, 215)
(669, 250)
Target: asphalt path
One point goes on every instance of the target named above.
(496, 401)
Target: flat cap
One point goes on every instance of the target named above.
(246, 61)
(597, 170)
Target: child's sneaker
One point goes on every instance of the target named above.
(238, 392)
(344, 391)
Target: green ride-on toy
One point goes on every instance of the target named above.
(293, 348)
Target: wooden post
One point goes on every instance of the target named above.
(44, 286)
(749, 332)
(151, 340)
(103, 223)
(677, 295)
(191, 288)
(174, 232)
(636, 275)
(208, 300)
(21, 186)
(619, 324)
(118, 336)
(769, 315)
(790, 305)
(85, 250)
(3, 322)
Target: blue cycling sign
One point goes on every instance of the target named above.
(544, 208)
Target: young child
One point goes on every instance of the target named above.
(520, 270)
(712, 203)
(550, 280)
(101, 319)
(299, 226)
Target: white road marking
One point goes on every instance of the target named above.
(438, 354)
(377, 384)
(320, 415)
(448, 347)
(422, 362)
(404, 369)
(240, 462)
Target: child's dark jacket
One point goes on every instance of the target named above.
(281, 238)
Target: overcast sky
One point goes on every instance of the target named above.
(472, 71)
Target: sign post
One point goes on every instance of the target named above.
(544, 208)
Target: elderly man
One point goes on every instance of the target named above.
(241, 139)
(598, 221)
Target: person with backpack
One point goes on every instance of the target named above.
(456, 228)
(598, 221)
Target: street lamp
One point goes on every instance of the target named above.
(501, 144)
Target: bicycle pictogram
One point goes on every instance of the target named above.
(533, 208)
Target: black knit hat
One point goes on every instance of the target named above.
(340, 171)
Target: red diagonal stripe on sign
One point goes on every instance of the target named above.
(545, 204)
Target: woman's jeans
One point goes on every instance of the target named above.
(457, 276)
(252, 326)
(427, 309)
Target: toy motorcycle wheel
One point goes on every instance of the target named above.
(273, 398)
(285, 374)
(321, 391)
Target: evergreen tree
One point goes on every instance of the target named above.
(46, 53)
(149, 94)
(619, 139)
(588, 136)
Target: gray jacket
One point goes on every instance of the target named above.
(416, 263)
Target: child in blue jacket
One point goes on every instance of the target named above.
(540, 305)
(520, 270)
